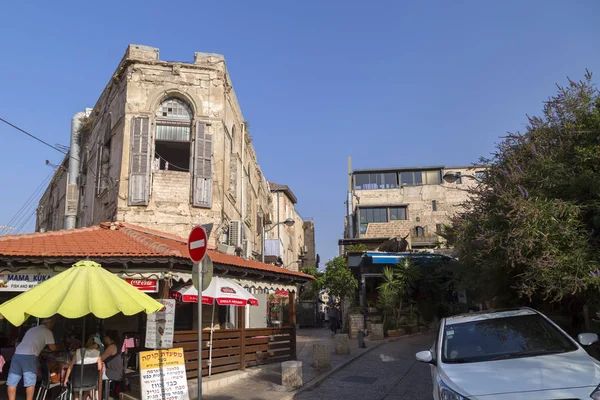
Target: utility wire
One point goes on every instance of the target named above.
(33, 136)
(17, 218)
(65, 152)
(26, 221)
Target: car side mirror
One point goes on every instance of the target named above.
(426, 357)
(587, 339)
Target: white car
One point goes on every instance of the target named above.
(517, 354)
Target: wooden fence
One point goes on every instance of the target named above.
(235, 349)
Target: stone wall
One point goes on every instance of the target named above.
(418, 200)
(137, 88)
(309, 242)
(356, 323)
(51, 207)
(292, 237)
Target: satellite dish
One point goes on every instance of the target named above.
(207, 267)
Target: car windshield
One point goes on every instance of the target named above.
(503, 338)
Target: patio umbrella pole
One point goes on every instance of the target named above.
(82, 360)
(212, 329)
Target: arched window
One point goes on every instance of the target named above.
(173, 135)
(420, 232)
(175, 108)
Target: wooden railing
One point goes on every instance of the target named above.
(235, 349)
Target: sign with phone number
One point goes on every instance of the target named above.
(162, 375)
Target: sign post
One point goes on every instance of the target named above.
(197, 245)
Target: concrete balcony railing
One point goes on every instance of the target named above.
(424, 240)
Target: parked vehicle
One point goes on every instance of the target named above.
(517, 354)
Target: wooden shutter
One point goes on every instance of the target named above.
(99, 169)
(203, 179)
(139, 163)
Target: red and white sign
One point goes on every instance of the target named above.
(145, 285)
(197, 244)
(223, 291)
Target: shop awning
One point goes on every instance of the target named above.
(184, 277)
(393, 258)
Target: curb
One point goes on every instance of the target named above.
(319, 379)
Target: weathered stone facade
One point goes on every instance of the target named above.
(298, 240)
(167, 148)
(416, 211)
(310, 254)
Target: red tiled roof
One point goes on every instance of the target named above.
(117, 239)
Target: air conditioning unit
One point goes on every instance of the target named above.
(225, 249)
(235, 233)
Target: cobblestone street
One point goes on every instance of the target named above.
(390, 372)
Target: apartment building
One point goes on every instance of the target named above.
(400, 209)
(290, 238)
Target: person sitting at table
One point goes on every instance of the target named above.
(73, 343)
(112, 358)
(91, 355)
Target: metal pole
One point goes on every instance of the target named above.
(82, 358)
(363, 283)
(212, 329)
(200, 279)
(263, 242)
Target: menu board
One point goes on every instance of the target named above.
(160, 326)
(162, 375)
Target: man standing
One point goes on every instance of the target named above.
(334, 317)
(24, 361)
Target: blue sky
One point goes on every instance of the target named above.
(393, 83)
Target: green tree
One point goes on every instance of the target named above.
(312, 289)
(532, 227)
(397, 286)
(356, 248)
(338, 280)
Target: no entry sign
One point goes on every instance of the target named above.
(197, 244)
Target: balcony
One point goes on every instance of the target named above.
(274, 248)
(424, 241)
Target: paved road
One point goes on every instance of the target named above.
(390, 372)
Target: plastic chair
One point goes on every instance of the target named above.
(46, 383)
(89, 382)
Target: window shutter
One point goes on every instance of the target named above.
(233, 163)
(203, 180)
(139, 164)
(99, 170)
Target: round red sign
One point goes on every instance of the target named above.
(197, 244)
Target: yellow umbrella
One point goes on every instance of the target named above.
(84, 289)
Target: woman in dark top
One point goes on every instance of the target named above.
(113, 362)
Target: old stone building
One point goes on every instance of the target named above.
(398, 209)
(165, 147)
(289, 237)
